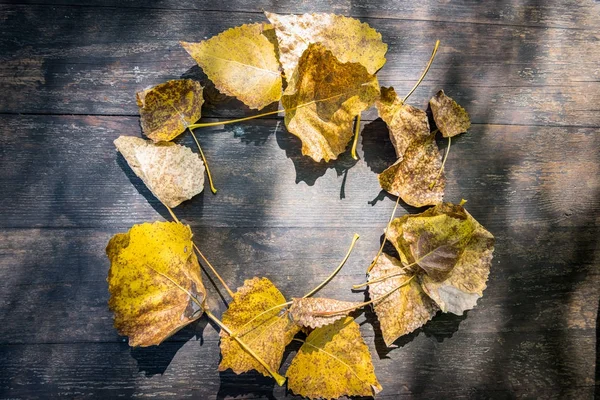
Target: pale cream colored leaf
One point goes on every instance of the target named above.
(172, 172)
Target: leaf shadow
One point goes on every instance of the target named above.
(141, 187)
(155, 360)
(378, 151)
(307, 170)
(247, 385)
(194, 206)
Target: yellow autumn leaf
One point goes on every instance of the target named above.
(347, 38)
(257, 317)
(334, 361)
(315, 312)
(241, 62)
(172, 172)
(450, 118)
(321, 107)
(167, 109)
(154, 281)
(406, 308)
(451, 248)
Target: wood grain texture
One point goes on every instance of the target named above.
(90, 60)
(527, 72)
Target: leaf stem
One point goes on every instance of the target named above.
(366, 303)
(432, 184)
(202, 256)
(214, 271)
(234, 121)
(384, 236)
(278, 378)
(356, 134)
(172, 214)
(381, 278)
(435, 48)
(339, 267)
(208, 174)
(261, 314)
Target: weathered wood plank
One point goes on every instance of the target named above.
(497, 365)
(54, 290)
(88, 60)
(63, 171)
(563, 14)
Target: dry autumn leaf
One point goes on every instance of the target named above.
(257, 316)
(405, 122)
(450, 118)
(167, 109)
(315, 312)
(419, 160)
(321, 107)
(347, 38)
(172, 172)
(154, 281)
(241, 62)
(334, 361)
(406, 308)
(410, 176)
(453, 250)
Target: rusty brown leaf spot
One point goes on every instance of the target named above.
(315, 312)
(450, 118)
(166, 110)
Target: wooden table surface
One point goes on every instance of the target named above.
(528, 72)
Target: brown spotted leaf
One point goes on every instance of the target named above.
(411, 176)
(166, 110)
(334, 361)
(347, 38)
(257, 316)
(450, 118)
(241, 62)
(406, 308)
(419, 160)
(406, 123)
(154, 281)
(172, 172)
(453, 250)
(321, 107)
(315, 312)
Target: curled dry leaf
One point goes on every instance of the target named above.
(453, 250)
(255, 317)
(166, 110)
(154, 281)
(406, 308)
(321, 107)
(347, 38)
(334, 361)
(172, 172)
(241, 62)
(405, 122)
(450, 118)
(419, 160)
(315, 312)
